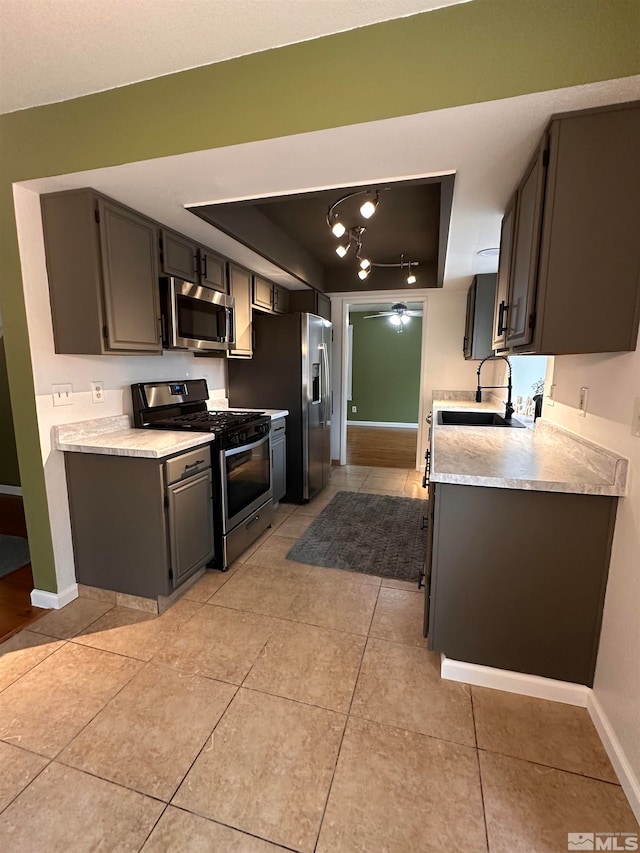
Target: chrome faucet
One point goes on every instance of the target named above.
(509, 407)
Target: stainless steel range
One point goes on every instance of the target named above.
(242, 494)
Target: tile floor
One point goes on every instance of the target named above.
(282, 706)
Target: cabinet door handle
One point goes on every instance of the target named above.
(194, 464)
(501, 315)
(203, 271)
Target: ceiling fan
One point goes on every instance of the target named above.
(398, 316)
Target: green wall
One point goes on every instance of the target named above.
(9, 473)
(480, 51)
(386, 370)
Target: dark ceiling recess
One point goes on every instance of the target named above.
(411, 220)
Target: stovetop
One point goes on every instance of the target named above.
(207, 421)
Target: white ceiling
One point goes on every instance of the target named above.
(487, 145)
(53, 50)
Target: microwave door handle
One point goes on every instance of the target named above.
(231, 336)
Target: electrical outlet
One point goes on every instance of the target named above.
(551, 396)
(97, 392)
(635, 420)
(62, 395)
(354, 409)
(584, 394)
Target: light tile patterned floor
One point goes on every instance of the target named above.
(282, 706)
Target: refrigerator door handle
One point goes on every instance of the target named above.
(326, 411)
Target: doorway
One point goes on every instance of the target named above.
(16, 579)
(382, 380)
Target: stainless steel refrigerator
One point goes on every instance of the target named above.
(291, 369)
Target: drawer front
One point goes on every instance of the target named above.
(187, 464)
(278, 430)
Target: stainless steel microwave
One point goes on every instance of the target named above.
(195, 317)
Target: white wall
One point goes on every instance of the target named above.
(116, 372)
(445, 365)
(613, 381)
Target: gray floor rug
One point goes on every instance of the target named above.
(14, 553)
(375, 534)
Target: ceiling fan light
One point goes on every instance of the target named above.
(395, 320)
(404, 319)
(365, 263)
(338, 229)
(368, 207)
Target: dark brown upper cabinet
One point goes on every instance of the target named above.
(212, 269)
(504, 272)
(178, 256)
(280, 300)
(568, 278)
(312, 301)
(262, 298)
(185, 259)
(479, 323)
(240, 288)
(103, 275)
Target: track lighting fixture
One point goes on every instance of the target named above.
(353, 234)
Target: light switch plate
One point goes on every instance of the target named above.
(584, 394)
(62, 395)
(635, 420)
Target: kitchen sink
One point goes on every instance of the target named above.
(486, 419)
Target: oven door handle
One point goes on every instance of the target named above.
(245, 447)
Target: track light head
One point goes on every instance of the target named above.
(363, 274)
(411, 279)
(343, 248)
(368, 207)
(365, 263)
(338, 229)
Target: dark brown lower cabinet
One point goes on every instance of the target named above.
(516, 579)
(140, 526)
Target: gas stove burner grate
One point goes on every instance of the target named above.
(210, 420)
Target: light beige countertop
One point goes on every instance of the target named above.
(114, 436)
(546, 458)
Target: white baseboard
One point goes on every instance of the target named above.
(556, 691)
(515, 682)
(54, 600)
(390, 424)
(10, 490)
(628, 779)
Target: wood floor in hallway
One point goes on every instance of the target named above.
(381, 447)
(16, 610)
